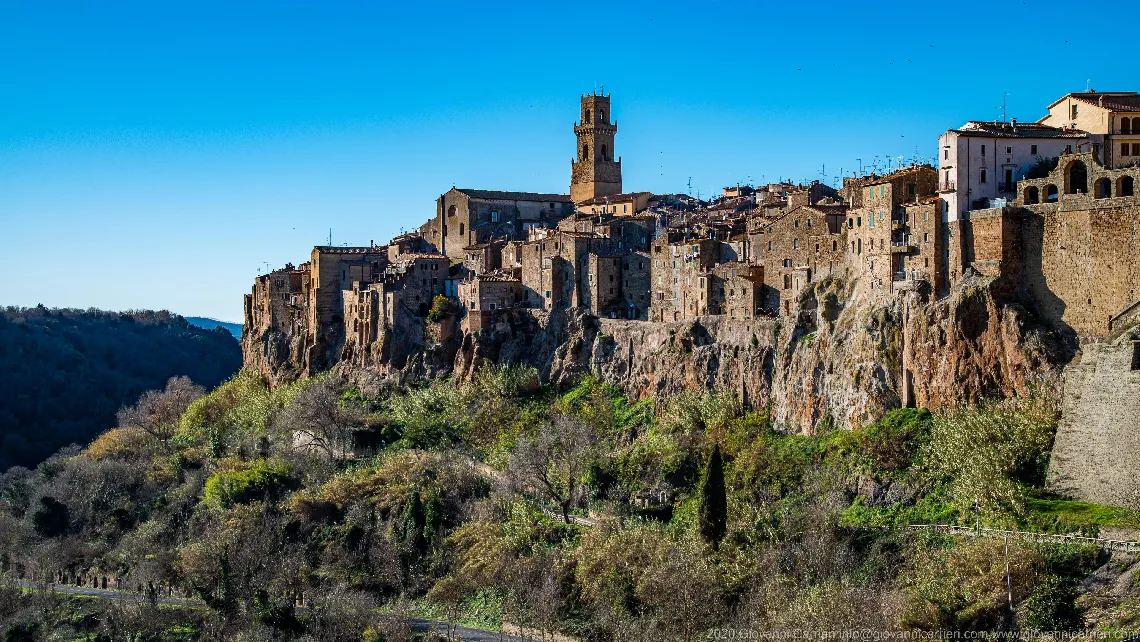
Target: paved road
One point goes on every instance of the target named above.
(466, 633)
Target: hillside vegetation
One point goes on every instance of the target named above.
(503, 502)
(64, 373)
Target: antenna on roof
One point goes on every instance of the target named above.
(330, 236)
(1004, 113)
(1088, 83)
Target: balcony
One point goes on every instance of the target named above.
(898, 226)
(901, 247)
(948, 186)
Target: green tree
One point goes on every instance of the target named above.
(415, 519)
(714, 503)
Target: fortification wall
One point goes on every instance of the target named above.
(1097, 450)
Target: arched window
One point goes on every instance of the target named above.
(1078, 178)
(1126, 186)
(1032, 196)
(451, 211)
(604, 151)
(601, 116)
(1103, 188)
(586, 118)
(1051, 194)
(585, 152)
(1125, 125)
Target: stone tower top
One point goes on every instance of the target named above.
(595, 172)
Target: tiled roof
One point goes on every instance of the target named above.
(1115, 100)
(615, 198)
(413, 257)
(496, 195)
(998, 129)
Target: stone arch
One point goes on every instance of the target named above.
(1126, 125)
(1135, 124)
(604, 152)
(1103, 188)
(1032, 195)
(1077, 178)
(586, 117)
(451, 211)
(1126, 186)
(1051, 194)
(585, 152)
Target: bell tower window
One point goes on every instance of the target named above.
(586, 117)
(585, 152)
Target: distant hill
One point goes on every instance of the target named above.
(64, 373)
(210, 324)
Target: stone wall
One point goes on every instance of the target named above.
(1097, 450)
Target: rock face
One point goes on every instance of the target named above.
(837, 360)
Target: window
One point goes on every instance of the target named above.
(882, 190)
(769, 246)
(871, 221)
(1068, 149)
(834, 246)
(787, 281)
(983, 150)
(796, 223)
(494, 216)
(809, 223)
(910, 188)
(461, 228)
(983, 178)
(859, 221)
(1032, 149)
(926, 237)
(1009, 150)
(787, 263)
(1125, 125)
(1136, 149)
(795, 244)
(1123, 149)
(946, 154)
(1074, 112)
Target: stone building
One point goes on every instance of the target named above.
(484, 294)
(333, 271)
(596, 172)
(680, 278)
(470, 217)
(278, 301)
(878, 237)
(799, 247)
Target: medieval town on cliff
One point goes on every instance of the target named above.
(1050, 206)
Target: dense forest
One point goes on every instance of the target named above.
(337, 508)
(64, 373)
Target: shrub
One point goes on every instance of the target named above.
(987, 453)
(51, 518)
(260, 480)
(440, 309)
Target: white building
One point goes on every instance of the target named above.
(980, 163)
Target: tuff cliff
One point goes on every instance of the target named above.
(839, 359)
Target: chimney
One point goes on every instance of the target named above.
(1013, 123)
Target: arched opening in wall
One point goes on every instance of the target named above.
(1078, 178)
(1126, 125)
(1051, 194)
(1136, 125)
(601, 115)
(1126, 186)
(604, 152)
(1103, 188)
(1032, 196)
(585, 152)
(451, 211)
(586, 117)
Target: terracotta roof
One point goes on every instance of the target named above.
(615, 198)
(496, 195)
(998, 129)
(1112, 100)
(404, 258)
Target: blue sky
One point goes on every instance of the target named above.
(158, 154)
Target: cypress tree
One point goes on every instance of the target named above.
(714, 503)
(414, 522)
